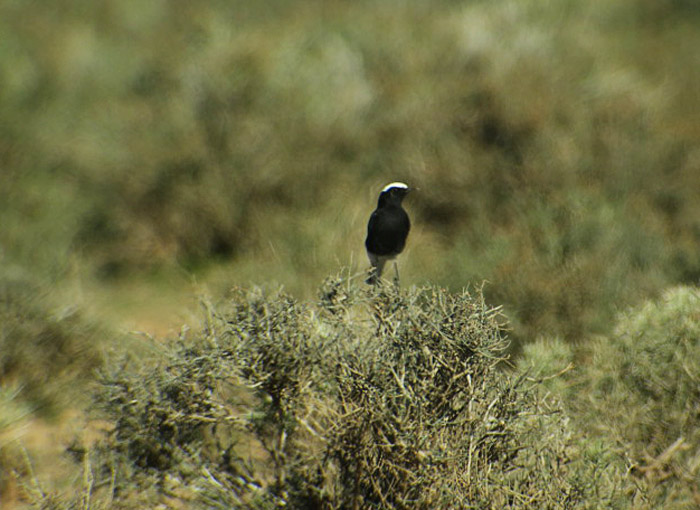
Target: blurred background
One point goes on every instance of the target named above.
(150, 151)
(148, 145)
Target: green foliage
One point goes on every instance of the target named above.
(638, 390)
(368, 398)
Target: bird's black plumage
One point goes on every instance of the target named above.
(387, 229)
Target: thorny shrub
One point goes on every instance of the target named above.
(367, 398)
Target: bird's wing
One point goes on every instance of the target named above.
(387, 231)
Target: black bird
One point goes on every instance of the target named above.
(387, 229)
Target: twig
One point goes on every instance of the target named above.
(564, 370)
(87, 481)
(32, 474)
(664, 457)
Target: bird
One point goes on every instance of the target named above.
(387, 229)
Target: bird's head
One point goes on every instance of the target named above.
(394, 192)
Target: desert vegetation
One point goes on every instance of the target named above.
(642, 378)
(151, 152)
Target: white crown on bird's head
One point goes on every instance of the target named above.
(394, 185)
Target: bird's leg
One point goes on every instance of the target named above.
(396, 276)
(376, 271)
(373, 277)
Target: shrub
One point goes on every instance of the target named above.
(47, 355)
(638, 389)
(45, 349)
(367, 398)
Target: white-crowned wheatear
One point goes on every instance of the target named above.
(387, 229)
